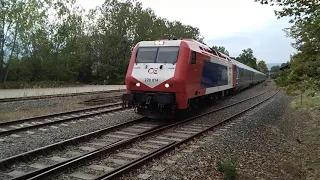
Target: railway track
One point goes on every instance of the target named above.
(2, 100)
(75, 147)
(111, 151)
(11, 127)
(99, 101)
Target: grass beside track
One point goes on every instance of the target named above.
(308, 102)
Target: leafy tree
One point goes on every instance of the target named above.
(247, 58)
(75, 46)
(19, 21)
(305, 30)
(221, 49)
(275, 69)
(262, 66)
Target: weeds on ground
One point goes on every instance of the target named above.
(228, 167)
(309, 102)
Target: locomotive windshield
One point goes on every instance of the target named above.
(157, 55)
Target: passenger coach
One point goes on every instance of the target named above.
(168, 76)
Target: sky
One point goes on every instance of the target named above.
(234, 24)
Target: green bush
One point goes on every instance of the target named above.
(228, 167)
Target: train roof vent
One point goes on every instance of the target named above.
(220, 55)
(214, 52)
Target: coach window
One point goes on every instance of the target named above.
(193, 57)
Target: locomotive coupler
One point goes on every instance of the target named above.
(148, 100)
(124, 104)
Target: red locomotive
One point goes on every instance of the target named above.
(167, 76)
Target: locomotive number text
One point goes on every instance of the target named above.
(150, 80)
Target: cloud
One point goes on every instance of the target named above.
(235, 24)
(268, 43)
(214, 18)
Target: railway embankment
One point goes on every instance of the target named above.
(277, 140)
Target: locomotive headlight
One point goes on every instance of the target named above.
(138, 84)
(158, 42)
(166, 85)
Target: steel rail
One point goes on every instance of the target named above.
(27, 156)
(138, 162)
(58, 146)
(15, 130)
(24, 120)
(2, 100)
(6, 163)
(110, 148)
(100, 100)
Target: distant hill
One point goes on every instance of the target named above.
(273, 64)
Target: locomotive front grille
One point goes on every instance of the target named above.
(146, 98)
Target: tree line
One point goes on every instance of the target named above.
(303, 70)
(57, 41)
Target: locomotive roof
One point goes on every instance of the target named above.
(193, 45)
(197, 47)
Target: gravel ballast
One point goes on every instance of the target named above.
(43, 136)
(259, 140)
(10, 146)
(29, 108)
(13, 145)
(214, 118)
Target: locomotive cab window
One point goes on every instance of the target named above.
(167, 55)
(157, 55)
(146, 54)
(193, 57)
